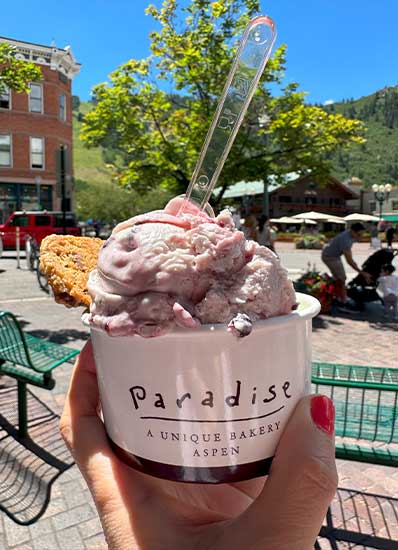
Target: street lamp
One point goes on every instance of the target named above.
(381, 194)
(38, 183)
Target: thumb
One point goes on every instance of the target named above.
(302, 482)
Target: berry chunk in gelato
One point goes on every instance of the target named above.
(165, 269)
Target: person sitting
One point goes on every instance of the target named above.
(335, 249)
(388, 285)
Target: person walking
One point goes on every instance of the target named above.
(374, 237)
(333, 251)
(250, 227)
(264, 233)
(390, 232)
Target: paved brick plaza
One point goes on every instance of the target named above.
(70, 521)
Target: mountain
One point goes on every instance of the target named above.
(376, 161)
(89, 164)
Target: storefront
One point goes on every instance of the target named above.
(24, 196)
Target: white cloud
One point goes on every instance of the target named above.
(328, 102)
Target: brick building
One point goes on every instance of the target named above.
(33, 127)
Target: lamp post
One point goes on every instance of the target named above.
(381, 194)
(38, 183)
(263, 122)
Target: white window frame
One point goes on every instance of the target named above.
(63, 118)
(11, 155)
(44, 152)
(7, 89)
(42, 97)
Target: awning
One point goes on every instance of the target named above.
(390, 217)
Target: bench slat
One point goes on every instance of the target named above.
(366, 403)
(27, 375)
(27, 350)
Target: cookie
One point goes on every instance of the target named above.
(67, 262)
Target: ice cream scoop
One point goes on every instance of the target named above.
(165, 269)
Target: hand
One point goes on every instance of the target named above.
(367, 276)
(137, 511)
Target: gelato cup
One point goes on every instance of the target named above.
(201, 405)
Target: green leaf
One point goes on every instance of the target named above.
(16, 74)
(156, 136)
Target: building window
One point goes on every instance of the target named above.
(36, 98)
(310, 200)
(62, 106)
(285, 198)
(394, 205)
(5, 150)
(36, 152)
(372, 206)
(63, 78)
(5, 98)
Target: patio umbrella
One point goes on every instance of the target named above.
(287, 219)
(336, 220)
(316, 216)
(361, 218)
(284, 219)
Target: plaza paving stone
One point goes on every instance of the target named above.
(71, 522)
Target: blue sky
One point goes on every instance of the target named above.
(336, 48)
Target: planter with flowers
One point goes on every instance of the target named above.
(321, 286)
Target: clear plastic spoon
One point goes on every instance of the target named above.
(244, 76)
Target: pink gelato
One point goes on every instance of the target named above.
(162, 269)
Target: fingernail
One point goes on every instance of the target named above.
(322, 413)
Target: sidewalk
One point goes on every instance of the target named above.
(71, 522)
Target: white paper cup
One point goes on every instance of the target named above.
(202, 405)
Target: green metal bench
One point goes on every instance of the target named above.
(366, 402)
(29, 360)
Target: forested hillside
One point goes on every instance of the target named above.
(376, 161)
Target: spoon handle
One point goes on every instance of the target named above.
(244, 76)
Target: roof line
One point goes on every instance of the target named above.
(33, 43)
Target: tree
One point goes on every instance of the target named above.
(155, 112)
(16, 74)
(110, 203)
(75, 102)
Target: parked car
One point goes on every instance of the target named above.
(1, 245)
(36, 224)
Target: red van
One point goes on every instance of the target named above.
(36, 224)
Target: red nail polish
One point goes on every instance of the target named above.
(322, 413)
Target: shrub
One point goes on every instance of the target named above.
(310, 241)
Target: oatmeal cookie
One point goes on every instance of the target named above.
(67, 261)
